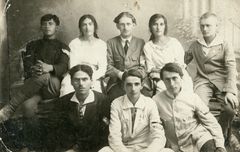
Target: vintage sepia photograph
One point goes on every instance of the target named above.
(119, 75)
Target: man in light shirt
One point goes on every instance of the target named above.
(216, 74)
(189, 125)
(135, 124)
(123, 52)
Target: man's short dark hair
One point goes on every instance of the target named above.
(171, 67)
(48, 17)
(81, 67)
(132, 72)
(127, 14)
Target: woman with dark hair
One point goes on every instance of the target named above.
(162, 49)
(87, 49)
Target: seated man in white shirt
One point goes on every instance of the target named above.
(135, 124)
(188, 123)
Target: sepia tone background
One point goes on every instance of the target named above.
(19, 24)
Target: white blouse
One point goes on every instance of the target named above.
(157, 56)
(93, 54)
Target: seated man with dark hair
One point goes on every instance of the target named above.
(77, 121)
(188, 123)
(135, 124)
(45, 62)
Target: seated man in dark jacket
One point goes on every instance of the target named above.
(45, 62)
(78, 121)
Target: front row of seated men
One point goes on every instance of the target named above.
(81, 118)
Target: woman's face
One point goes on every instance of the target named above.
(158, 27)
(87, 27)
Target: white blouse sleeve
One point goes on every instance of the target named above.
(179, 53)
(102, 61)
(148, 57)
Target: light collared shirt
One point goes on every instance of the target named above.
(123, 41)
(147, 132)
(90, 98)
(187, 121)
(207, 47)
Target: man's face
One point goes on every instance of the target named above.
(125, 26)
(173, 82)
(48, 28)
(208, 26)
(132, 86)
(81, 82)
(87, 27)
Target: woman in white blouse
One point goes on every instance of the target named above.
(87, 49)
(162, 49)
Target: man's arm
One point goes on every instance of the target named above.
(230, 86)
(156, 129)
(61, 65)
(209, 121)
(111, 70)
(188, 57)
(115, 135)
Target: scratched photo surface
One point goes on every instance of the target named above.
(20, 24)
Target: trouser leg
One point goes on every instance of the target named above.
(30, 87)
(226, 115)
(209, 146)
(52, 90)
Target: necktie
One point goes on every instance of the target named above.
(126, 46)
(133, 112)
(80, 111)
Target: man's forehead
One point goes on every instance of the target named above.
(81, 74)
(209, 20)
(168, 74)
(47, 21)
(125, 19)
(132, 79)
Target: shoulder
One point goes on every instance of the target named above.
(100, 41)
(74, 41)
(34, 43)
(174, 40)
(66, 97)
(139, 40)
(113, 40)
(99, 96)
(63, 45)
(159, 97)
(148, 44)
(117, 103)
(149, 101)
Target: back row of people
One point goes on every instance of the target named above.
(47, 60)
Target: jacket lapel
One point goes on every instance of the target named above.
(120, 47)
(131, 48)
(90, 111)
(211, 54)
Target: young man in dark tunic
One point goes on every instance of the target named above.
(77, 121)
(45, 61)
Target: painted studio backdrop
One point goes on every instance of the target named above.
(19, 24)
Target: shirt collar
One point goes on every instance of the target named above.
(123, 39)
(216, 41)
(90, 98)
(172, 97)
(128, 104)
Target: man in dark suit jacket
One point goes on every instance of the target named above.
(216, 73)
(77, 121)
(123, 53)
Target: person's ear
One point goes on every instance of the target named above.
(118, 26)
